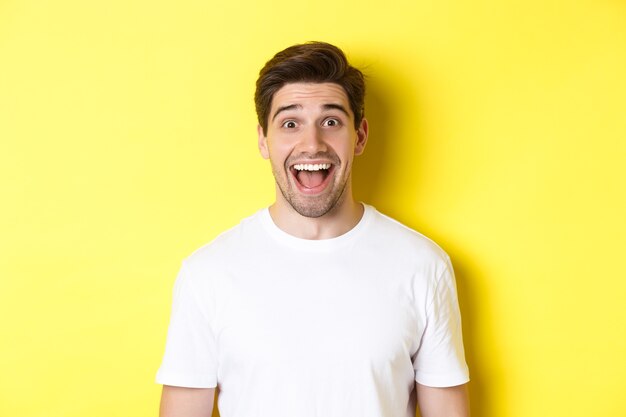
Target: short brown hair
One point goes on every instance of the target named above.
(317, 62)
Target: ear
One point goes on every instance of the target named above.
(361, 137)
(265, 153)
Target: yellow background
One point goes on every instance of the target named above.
(128, 140)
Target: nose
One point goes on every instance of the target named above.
(312, 140)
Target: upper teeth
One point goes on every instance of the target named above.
(311, 167)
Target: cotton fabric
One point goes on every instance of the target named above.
(333, 327)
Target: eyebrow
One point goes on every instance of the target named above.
(285, 108)
(333, 106)
(329, 106)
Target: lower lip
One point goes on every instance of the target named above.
(315, 190)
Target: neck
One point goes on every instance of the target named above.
(341, 219)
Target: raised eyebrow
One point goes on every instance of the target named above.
(333, 106)
(286, 108)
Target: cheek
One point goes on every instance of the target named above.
(344, 148)
(279, 152)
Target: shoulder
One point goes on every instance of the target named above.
(405, 241)
(410, 253)
(228, 246)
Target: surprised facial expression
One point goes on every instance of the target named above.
(311, 142)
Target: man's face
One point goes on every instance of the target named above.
(311, 142)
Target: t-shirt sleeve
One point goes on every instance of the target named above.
(440, 360)
(190, 358)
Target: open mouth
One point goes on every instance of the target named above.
(311, 178)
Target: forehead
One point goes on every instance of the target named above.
(310, 94)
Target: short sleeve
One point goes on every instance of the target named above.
(190, 358)
(440, 360)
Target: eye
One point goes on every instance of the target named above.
(289, 124)
(331, 122)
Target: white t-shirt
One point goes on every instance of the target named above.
(327, 328)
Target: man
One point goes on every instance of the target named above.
(319, 305)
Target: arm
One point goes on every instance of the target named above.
(186, 402)
(443, 402)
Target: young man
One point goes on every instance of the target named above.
(320, 305)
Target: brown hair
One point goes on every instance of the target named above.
(317, 62)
